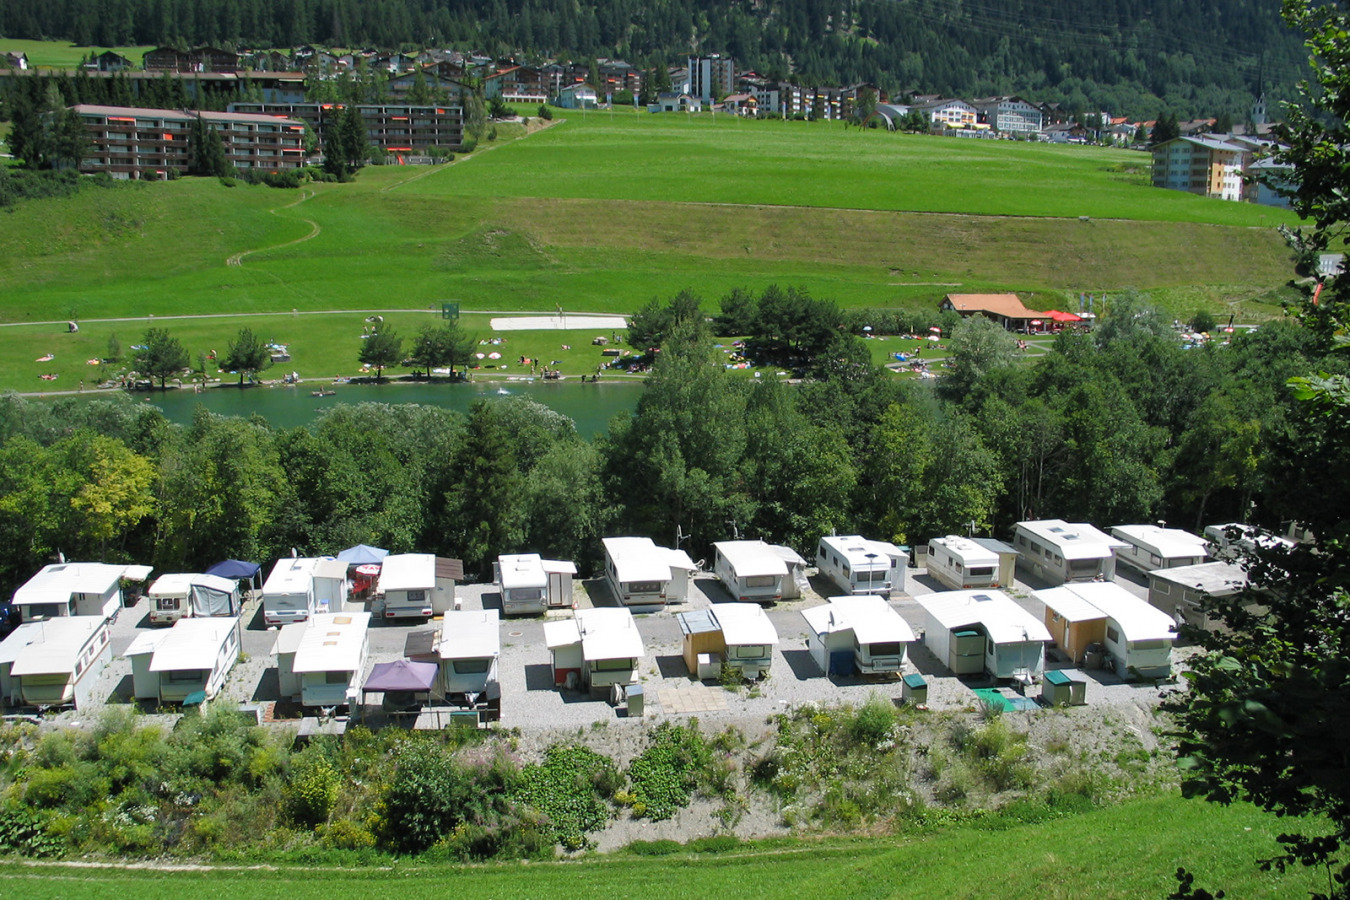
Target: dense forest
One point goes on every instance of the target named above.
(1120, 425)
(1125, 57)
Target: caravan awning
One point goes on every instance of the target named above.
(236, 569)
(401, 675)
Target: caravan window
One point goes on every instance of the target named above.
(642, 587)
(749, 651)
(980, 571)
(1079, 566)
(525, 594)
(187, 676)
(470, 666)
(612, 665)
(763, 581)
(1162, 587)
(337, 677)
(884, 648)
(418, 596)
(1112, 635)
(166, 604)
(1149, 645)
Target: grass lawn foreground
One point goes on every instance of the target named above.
(1128, 852)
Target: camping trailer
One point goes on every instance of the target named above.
(1180, 592)
(751, 571)
(179, 595)
(321, 662)
(1233, 541)
(1137, 637)
(861, 634)
(861, 566)
(1058, 552)
(640, 573)
(1149, 547)
(192, 657)
(76, 589)
(598, 648)
(530, 585)
(960, 563)
(54, 662)
(288, 593)
(984, 631)
(470, 647)
(748, 636)
(417, 584)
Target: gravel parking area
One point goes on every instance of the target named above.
(531, 703)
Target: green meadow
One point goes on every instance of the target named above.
(1127, 852)
(62, 55)
(603, 212)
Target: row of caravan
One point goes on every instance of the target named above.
(1059, 552)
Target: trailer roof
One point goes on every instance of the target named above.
(1002, 618)
(1165, 542)
(290, 575)
(1075, 541)
(146, 642)
(55, 583)
(1217, 579)
(751, 558)
(52, 646)
(855, 547)
(967, 550)
(471, 634)
(603, 634)
(192, 644)
(639, 559)
(521, 570)
(744, 624)
(1138, 620)
(332, 642)
(871, 619)
(407, 571)
(1068, 604)
(697, 621)
(179, 584)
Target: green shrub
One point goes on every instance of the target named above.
(425, 799)
(23, 832)
(312, 791)
(654, 848)
(665, 775)
(718, 843)
(873, 722)
(570, 789)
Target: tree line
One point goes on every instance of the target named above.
(1122, 425)
(1124, 56)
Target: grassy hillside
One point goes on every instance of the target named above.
(1128, 851)
(603, 214)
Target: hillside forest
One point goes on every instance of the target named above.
(1123, 57)
(1118, 425)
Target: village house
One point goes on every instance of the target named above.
(1208, 165)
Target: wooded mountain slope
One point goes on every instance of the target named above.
(1128, 57)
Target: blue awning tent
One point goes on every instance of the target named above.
(238, 570)
(362, 554)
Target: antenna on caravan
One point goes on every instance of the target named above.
(970, 528)
(735, 532)
(680, 536)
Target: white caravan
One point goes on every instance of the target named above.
(857, 633)
(530, 585)
(960, 563)
(984, 631)
(597, 647)
(1058, 552)
(414, 585)
(749, 638)
(179, 595)
(640, 573)
(192, 657)
(1150, 547)
(751, 571)
(288, 593)
(861, 566)
(54, 662)
(322, 662)
(76, 589)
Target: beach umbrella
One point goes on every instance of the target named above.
(362, 554)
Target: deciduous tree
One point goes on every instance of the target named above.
(381, 350)
(247, 355)
(162, 356)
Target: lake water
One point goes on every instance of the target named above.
(591, 406)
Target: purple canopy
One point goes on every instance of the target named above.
(402, 675)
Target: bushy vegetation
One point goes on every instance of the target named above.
(571, 789)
